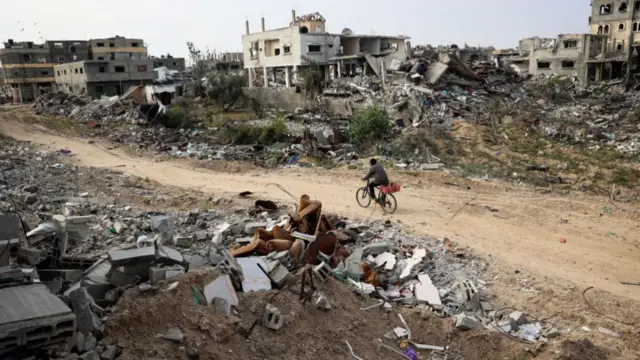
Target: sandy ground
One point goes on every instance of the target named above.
(602, 239)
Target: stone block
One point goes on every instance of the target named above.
(157, 274)
(322, 271)
(222, 306)
(169, 256)
(281, 276)
(464, 322)
(284, 257)
(132, 257)
(272, 318)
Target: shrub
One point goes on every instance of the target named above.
(176, 117)
(272, 133)
(369, 126)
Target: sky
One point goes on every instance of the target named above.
(166, 25)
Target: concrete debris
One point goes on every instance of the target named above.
(91, 255)
(222, 288)
(174, 335)
(609, 332)
(272, 318)
(464, 322)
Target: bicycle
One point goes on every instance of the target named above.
(387, 200)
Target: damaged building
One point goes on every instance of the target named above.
(272, 55)
(28, 66)
(601, 54)
(113, 66)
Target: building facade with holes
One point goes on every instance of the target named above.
(28, 66)
(97, 78)
(601, 54)
(277, 57)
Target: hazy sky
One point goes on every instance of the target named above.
(167, 25)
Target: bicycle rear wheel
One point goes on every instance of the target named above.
(362, 197)
(389, 203)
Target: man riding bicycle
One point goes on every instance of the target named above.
(379, 178)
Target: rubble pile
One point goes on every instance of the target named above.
(74, 258)
(93, 112)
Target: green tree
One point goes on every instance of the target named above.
(225, 89)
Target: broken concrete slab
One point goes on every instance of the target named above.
(464, 322)
(132, 257)
(222, 288)
(435, 72)
(426, 292)
(353, 264)
(254, 278)
(31, 316)
(88, 321)
(169, 256)
(164, 225)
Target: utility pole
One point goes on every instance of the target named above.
(632, 9)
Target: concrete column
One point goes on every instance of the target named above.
(287, 75)
(295, 74)
(246, 27)
(598, 72)
(332, 71)
(293, 17)
(262, 21)
(365, 65)
(383, 72)
(266, 77)
(326, 73)
(250, 77)
(339, 69)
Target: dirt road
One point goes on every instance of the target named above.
(601, 249)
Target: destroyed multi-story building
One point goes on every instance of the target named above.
(28, 66)
(283, 52)
(170, 62)
(113, 66)
(601, 54)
